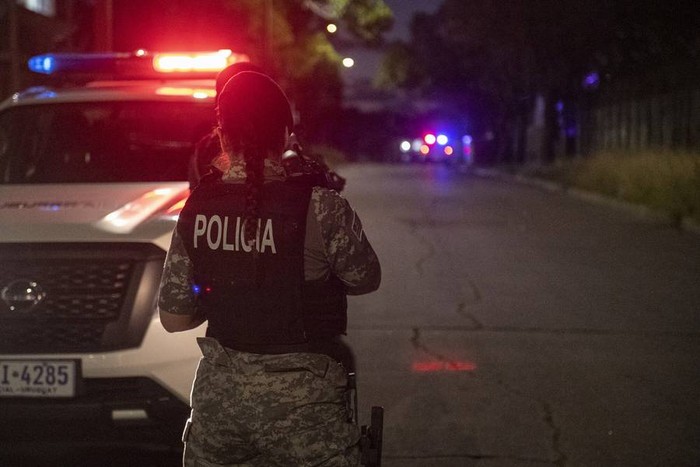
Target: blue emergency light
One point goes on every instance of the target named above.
(77, 63)
(136, 65)
(45, 64)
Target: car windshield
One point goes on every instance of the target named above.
(100, 142)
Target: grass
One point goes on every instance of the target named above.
(665, 181)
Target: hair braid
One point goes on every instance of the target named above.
(254, 165)
(254, 116)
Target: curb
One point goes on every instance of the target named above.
(687, 224)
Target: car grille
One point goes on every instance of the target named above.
(94, 297)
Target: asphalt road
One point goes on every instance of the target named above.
(517, 326)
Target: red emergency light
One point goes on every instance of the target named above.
(195, 62)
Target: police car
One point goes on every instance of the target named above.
(92, 177)
(437, 147)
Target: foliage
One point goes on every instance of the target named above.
(286, 37)
(502, 47)
(504, 53)
(293, 46)
(367, 19)
(664, 181)
(395, 70)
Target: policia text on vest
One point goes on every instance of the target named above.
(225, 233)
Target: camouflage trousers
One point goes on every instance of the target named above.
(269, 410)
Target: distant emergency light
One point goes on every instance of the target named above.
(139, 64)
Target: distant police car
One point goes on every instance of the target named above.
(92, 178)
(437, 147)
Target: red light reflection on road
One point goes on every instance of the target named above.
(440, 366)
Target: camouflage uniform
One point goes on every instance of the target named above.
(268, 410)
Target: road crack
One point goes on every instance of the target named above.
(467, 299)
(546, 408)
(548, 418)
(440, 362)
(419, 345)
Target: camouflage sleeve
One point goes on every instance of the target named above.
(176, 294)
(346, 246)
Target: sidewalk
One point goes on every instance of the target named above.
(687, 224)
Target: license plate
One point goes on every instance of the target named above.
(39, 378)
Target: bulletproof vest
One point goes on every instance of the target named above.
(253, 293)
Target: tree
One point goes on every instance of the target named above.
(287, 37)
(296, 49)
(505, 53)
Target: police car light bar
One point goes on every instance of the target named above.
(184, 62)
(137, 64)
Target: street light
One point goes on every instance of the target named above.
(331, 28)
(348, 62)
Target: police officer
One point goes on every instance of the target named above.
(267, 262)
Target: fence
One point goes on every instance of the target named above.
(665, 121)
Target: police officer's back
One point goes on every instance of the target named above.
(267, 262)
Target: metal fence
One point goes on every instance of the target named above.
(664, 121)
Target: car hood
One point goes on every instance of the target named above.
(139, 212)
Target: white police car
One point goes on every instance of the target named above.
(92, 177)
